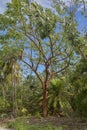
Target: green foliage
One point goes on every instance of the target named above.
(79, 83)
(46, 23)
(4, 105)
(58, 97)
(79, 76)
(18, 125)
(24, 111)
(85, 128)
(71, 34)
(80, 103)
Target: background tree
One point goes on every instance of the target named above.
(9, 78)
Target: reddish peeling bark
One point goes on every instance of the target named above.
(45, 100)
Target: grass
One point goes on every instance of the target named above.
(21, 124)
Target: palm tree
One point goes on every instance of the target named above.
(10, 68)
(58, 96)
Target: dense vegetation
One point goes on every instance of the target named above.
(43, 60)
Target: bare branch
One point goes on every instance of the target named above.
(62, 69)
(51, 46)
(38, 75)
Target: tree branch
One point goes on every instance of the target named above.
(38, 75)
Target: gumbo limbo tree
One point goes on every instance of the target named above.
(36, 37)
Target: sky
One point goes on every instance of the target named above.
(46, 3)
(3, 5)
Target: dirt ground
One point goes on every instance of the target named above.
(67, 123)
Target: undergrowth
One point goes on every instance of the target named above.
(21, 124)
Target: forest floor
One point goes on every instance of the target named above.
(64, 122)
(1, 128)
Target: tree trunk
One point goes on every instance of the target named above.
(45, 100)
